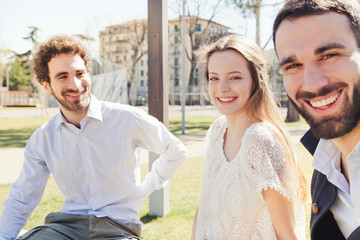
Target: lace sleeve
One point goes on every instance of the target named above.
(267, 164)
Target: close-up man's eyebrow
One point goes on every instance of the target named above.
(329, 47)
(287, 60)
(59, 74)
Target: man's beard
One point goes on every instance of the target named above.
(335, 126)
(75, 106)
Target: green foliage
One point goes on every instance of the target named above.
(19, 74)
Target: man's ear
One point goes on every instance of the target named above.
(46, 86)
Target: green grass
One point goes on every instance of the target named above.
(14, 132)
(184, 198)
(193, 124)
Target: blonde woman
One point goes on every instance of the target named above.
(253, 187)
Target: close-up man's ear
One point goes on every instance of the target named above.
(46, 86)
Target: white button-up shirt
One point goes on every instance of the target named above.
(96, 167)
(346, 208)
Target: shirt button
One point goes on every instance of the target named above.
(358, 220)
(86, 158)
(81, 134)
(92, 180)
(315, 208)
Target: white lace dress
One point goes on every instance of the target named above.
(231, 204)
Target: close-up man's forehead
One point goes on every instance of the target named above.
(313, 31)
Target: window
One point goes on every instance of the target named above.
(142, 83)
(142, 63)
(142, 73)
(198, 27)
(176, 39)
(176, 27)
(176, 61)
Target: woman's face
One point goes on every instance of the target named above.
(230, 82)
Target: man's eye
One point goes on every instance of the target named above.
(327, 56)
(235, 78)
(213, 79)
(292, 66)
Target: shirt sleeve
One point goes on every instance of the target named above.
(268, 167)
(153, 136)
(25, 194)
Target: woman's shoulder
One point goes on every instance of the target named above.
(217, 126)
(260, 132)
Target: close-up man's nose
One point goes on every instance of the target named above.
(313, 78)
(74, 83)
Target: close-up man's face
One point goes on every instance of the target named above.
(69, 82)
(320, 61)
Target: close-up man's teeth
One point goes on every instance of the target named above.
(323, 103)
(226, 99)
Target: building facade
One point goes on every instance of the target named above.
(126, 44)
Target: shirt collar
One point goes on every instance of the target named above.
(327, 160)
(94, 111)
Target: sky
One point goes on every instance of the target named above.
(88, 17)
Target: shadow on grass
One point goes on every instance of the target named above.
(15, 137)
(191, 127)
(147, 218)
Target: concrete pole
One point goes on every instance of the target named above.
(183, 67)
(158, 88)
(7, 78)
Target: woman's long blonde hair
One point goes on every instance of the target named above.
(261, 106)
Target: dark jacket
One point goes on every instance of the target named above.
(323, 193)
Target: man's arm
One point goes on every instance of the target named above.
(153, 136)
(24, 195)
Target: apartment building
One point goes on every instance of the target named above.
(126, 44)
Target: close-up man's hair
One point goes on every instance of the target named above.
(60, 44)
(294, 9)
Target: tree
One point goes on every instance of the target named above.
(19, 74)
(249, 7)
(126, 45)
(137, 42)
(292, 113)
(199, 18)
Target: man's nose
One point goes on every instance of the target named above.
(74, 83)
(313, 78)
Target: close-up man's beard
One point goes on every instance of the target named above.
(335, 126)
(76, 106)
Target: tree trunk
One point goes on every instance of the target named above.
(257, 18)
(292, 113)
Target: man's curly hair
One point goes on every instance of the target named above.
(60, 44)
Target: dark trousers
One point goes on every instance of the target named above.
(60, 226)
